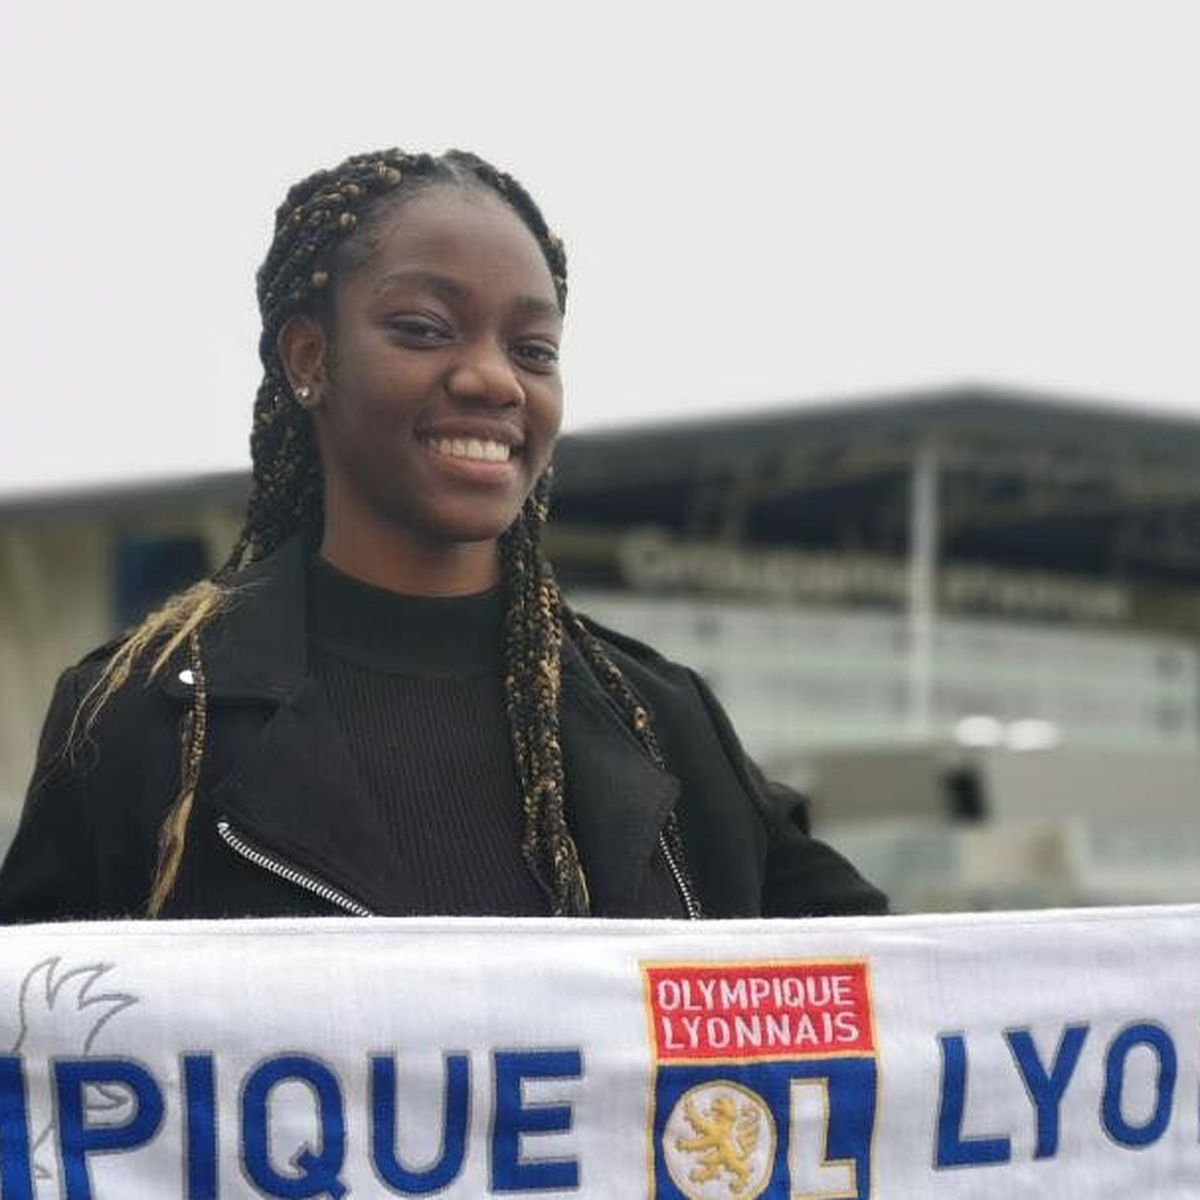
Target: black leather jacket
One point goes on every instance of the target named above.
(280, 825)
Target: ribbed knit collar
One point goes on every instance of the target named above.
(443, 637)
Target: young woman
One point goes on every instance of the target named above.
(381, 703)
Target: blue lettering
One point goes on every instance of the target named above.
(1046, 1090)
(954, 1150)
(200, 1126)
(456, 1113)
(512, 1118)
(16, 1172)
(318, 1170)
(1137, 1137)
(77, 1139)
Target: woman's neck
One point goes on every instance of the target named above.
(388, 559)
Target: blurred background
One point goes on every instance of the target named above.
(883, 399)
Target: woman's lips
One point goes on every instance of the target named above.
(476, 459)
(471, 448)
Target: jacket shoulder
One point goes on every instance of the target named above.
(95, 660)
(635, 651)
(88, 670)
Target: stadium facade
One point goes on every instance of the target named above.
(966, 621)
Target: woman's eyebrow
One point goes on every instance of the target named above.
(537, 307)
(436, 282)
(452, 289)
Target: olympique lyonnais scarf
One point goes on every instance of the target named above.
(942, 1056)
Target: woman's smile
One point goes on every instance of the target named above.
(473, 459)
(471, 448)
(477, 443)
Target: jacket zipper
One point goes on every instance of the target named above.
(689, 901)
(290, 872)
(333, 895)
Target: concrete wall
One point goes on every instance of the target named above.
(56, 604)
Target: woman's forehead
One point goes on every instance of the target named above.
(455, 230)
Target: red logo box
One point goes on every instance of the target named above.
(706, 1011)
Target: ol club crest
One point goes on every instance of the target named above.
(765, 1080)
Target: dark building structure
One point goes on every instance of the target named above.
(967, 620)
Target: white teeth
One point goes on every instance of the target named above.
(472, 448)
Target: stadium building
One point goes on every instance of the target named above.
(966, 621)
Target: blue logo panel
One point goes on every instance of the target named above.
(725, 1130)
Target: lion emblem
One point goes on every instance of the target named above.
(719, 1142)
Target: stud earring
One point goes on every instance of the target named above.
(307, 398)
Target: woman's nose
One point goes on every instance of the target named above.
(486, 374)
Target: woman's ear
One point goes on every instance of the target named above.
(301, 347)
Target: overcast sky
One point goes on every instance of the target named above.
(763, 203)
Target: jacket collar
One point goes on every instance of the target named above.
(258, 646)
(619, 798)
(258, 649)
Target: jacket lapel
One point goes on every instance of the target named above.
(618, 797)
(294, 789)
(297, 794)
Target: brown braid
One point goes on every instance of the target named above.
(324, 228)
(639, 721)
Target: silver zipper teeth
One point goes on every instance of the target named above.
(689, 902)
(326, 891)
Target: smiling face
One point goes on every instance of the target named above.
(438, 386)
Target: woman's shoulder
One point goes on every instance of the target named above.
(108, 706)
(665, 685)
(93, 669)
(91, 665)
(678, 697)
(630, 651)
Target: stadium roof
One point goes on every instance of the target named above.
(1025, 477)
(893, 424)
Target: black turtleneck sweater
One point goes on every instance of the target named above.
(417, 685)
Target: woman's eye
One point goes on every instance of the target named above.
(539, 355)
(419, 331)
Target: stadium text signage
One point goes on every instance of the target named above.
(653, 560)
(932, 1057)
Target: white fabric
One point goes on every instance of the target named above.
(913, 1057)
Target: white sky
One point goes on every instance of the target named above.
(762, 202)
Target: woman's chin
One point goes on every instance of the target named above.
(461, 526)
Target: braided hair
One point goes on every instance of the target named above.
(323, 229)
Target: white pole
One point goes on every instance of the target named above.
(922, 589)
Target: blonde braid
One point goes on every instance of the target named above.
(173, 834)
(166, 629)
